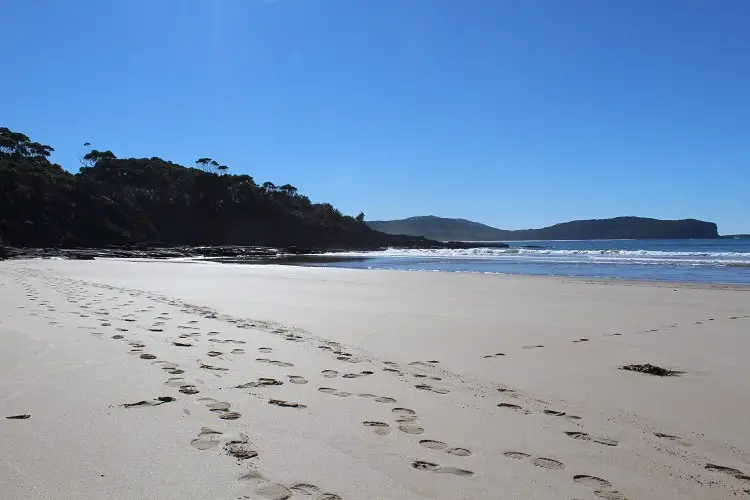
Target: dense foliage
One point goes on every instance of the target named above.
(113, 201)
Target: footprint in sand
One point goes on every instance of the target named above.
(222, 409)
(592, 481)
(348, 358)
(557, 413)
(667, 436)
(175, 382)
(439, 446)
(517, 455)
(311, 490)
(580, 340)
(433, 467)
(393, 370)
(238, 351)
(217, 406)
(493, 355)
(433, 445)
(261, 382)
(154, 402)
(285, 404)
(182, 344)
(405, 415)
(728, 470)
(265, 349)
(329, 373)
(273, 362)
(380, 428)
(410, 429)
(209, 438)
(215, 368)
(548, 463)
(608, 494)
(514, 407)
(602, 487)
(305, 489)
(147, 356)
(213, 354)
(437, 390)
(385, 399)
(273, 491)
(296, 379)
(588, 437)
(188, 389)
(335, 392)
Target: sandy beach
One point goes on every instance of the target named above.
(195, 380)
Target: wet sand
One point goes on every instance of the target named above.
(154, 379)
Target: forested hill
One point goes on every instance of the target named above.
(131, 201)
(617, 228)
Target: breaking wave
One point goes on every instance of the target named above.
(606, 256)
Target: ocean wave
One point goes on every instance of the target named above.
(501, 252)
(644, 257)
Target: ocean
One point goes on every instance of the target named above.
(699, 261)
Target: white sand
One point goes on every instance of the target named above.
(80, 442)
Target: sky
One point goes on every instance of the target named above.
(516, 114)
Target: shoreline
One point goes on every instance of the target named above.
(583, 279)
(395, 376)
(304, 259)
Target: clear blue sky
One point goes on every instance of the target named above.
(514, 113)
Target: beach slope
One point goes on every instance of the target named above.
(190, 380)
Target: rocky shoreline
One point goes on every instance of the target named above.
(227, 254)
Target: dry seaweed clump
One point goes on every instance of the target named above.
(650, 369)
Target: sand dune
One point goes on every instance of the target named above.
(133, 380)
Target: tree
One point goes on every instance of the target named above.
(113, 201)
(288, 190)
(210, 165)
(18, 144)
(92, 157)
(204, 163)
(361, 217)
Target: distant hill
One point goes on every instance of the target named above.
(439, 228)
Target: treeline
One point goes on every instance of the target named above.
(151, 201)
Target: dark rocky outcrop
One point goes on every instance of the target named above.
(153, 207)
